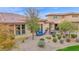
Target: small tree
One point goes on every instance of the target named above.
(67, 26)
(32, 23)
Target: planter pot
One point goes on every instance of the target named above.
(68, 40)
(61, 41)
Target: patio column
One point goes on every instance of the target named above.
(21, 29)
(41, 27)
(49, 27)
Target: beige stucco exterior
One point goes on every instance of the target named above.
(74, 18)
(60, 17)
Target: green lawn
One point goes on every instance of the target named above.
(70, 48)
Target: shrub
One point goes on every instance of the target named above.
(48, 37)
(73, 35)
(67, 35)
(64, 36)
(6, 37)
(59, 36)
(42, 39)
(54, 39)
(41, 43)
(7, 44)
(54, 34)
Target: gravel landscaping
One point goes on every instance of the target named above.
(31, 45)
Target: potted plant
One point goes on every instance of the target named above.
(41, 43)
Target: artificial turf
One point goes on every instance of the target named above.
(70, 48)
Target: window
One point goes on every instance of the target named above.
(20, 29)
(55, 17)
(23, 29)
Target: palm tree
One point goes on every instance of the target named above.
(33, 19)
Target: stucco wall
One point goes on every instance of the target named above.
(27, 33)
(70, 18)
(61, 18)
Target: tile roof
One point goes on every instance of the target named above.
(62, 14)
(11, 18)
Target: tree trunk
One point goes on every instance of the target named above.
(32, 36)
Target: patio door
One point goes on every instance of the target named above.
(51, 27)
(56, 28)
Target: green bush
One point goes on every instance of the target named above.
(67, 35)
(59, 36)
(54, 39)
(48, 37)
(64, 36)
(73, 35)
(41, 43)
(53, 35)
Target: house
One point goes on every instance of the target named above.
(56, 18)
(15, 22)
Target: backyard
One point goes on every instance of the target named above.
(65, 36)
(32, 45)
(39, 35)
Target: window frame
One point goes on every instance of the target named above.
(55, 17)
(20, 29)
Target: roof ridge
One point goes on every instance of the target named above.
(11, 13)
